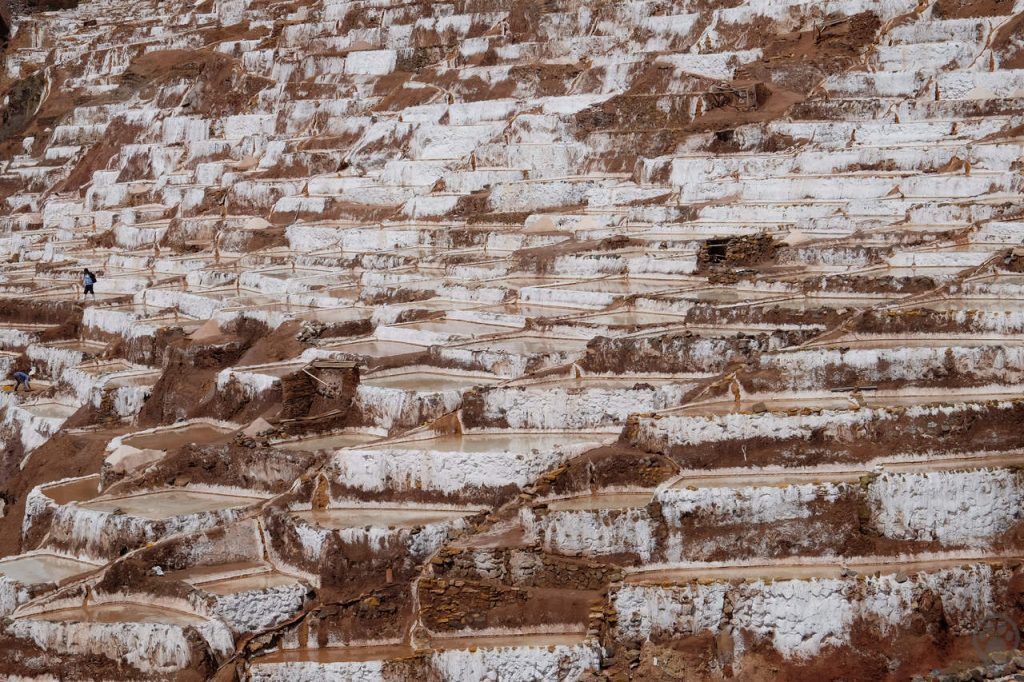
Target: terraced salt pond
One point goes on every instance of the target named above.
(847, 400)
(742, 478)
(119, 612)
(625, 500)
(450, 329)
(622, 286)
(169, 438)
(983, 305)
(32, 569)
(374, 348)
(387, 517)
(631, 318)
(50, 409)
(507, 441)
(75, 490)
(422, 380)
(246, 583)
(530, 310)
(334, 441)
(807, 569)
(967, 341)
(600, 381)
(527, 345)
(166, 504)
(807, 303)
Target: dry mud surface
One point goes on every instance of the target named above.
(512, 341)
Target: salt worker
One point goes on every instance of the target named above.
(88, 280)
(21, 378)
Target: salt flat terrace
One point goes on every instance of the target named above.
(523, 341)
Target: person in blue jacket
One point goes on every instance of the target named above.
(88, 280)
(21, 378)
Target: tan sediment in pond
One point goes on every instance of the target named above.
(387, 517)
(42, 568)
(427, 381)
(73, 491)
(246, 583)
(600, 501)
(794, 570)
(119, 612)
(495, 442)
(172, 438)
(168, 503)
(330, 442)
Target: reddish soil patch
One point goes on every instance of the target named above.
(1007, 45)
(608, 466)
(253, 468)
(62, 456)
(965, 9)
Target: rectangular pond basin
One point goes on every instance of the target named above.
(727, 295)
(334, 441)
(802, 303)
(177, 436)
(929, 341)
(245, 583)
(623, 285)
(810, 570)
(84, 346)
(76, 490)
(27, 326)
(425, 381)
(456, 328)
(520, 281)
(508, 441)
(438, 304)
(273, 369)
(594, 381)
(630, 500)
(50, 409)
(382, 517)
(33, 569)
(165, 504)
(837, 401)
(300, 273)
(375, 348)
(336, 315)
(528, 345)
(109, 367)
(134, 379)
(530, 310)
(119, 612)
(985, 305)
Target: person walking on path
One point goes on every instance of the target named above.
(88, 280)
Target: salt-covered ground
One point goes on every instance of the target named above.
(511, 341)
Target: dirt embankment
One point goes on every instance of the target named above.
(235, 464)
(187, 386)
(720, 259)
(62, 456)
(966, 9)
(607, 467)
